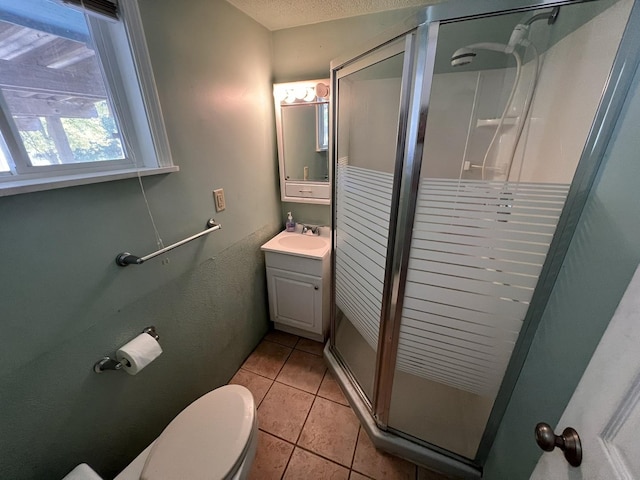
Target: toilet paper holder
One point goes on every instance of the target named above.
(108, 363)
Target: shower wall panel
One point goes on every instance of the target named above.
(561, 118)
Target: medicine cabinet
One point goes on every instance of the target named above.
(302, 124)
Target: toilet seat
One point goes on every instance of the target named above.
(207, 440)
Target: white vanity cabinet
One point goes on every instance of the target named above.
(298, 283)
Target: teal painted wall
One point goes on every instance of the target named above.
(303, 53)
(602, 257)
(64, 303)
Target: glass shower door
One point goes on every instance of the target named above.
(503, 140)
(368, 106)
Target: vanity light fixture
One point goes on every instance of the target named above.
(296, 93)
(302, 132)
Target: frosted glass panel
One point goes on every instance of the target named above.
(498, 163)
(363, 226)
(477, 250)
(368, 106)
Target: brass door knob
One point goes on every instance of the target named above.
(568, 442)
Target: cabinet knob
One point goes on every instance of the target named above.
(315, 287)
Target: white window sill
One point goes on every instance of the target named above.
(14, 187)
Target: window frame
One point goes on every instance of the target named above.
(133, 99)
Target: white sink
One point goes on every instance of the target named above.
(295, 243)
(303, 242)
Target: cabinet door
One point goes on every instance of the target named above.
(295, 299)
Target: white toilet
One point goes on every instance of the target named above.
(213, 438)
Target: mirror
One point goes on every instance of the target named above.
(302, 122)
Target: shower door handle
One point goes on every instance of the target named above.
(568, 442)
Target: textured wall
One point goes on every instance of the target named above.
(63, 301)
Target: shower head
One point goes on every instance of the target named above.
(462, 56)
(465, 55)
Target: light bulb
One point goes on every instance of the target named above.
(291, 96)
(311, 95)
(300, 92)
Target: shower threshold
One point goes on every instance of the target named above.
(390, 442)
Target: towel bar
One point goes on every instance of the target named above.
(125, 258)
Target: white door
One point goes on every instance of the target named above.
(605, 408)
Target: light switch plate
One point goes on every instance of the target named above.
(218, 197)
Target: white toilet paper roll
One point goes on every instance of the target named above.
(138, 353)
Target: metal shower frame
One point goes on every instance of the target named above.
(417, 37)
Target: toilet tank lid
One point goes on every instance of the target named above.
(206, 440)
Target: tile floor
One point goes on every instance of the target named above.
(307, 428)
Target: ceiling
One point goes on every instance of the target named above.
(279, 14)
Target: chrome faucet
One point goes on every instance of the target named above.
(309, 228)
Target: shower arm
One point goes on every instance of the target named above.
(492, 46)
(550, 17)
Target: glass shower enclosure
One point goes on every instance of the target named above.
(462, 147)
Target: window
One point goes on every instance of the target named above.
(77, 98)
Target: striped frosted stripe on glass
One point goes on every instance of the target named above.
(363, 206)
(477, 251)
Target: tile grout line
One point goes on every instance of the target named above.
(309, 393)
(273, 380)
(296, 388)
(348, 468)
(306, 351)
(323, 457)
(317, 454)
(283, 363)
(295, 445)
(264, 396)
(315, 392)
(288, 462)
(353, 457)
(264, 339)
(279, 370)
(306, 418)
(285, 441)
(315, 397)
(277, 436)
(254, 373)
